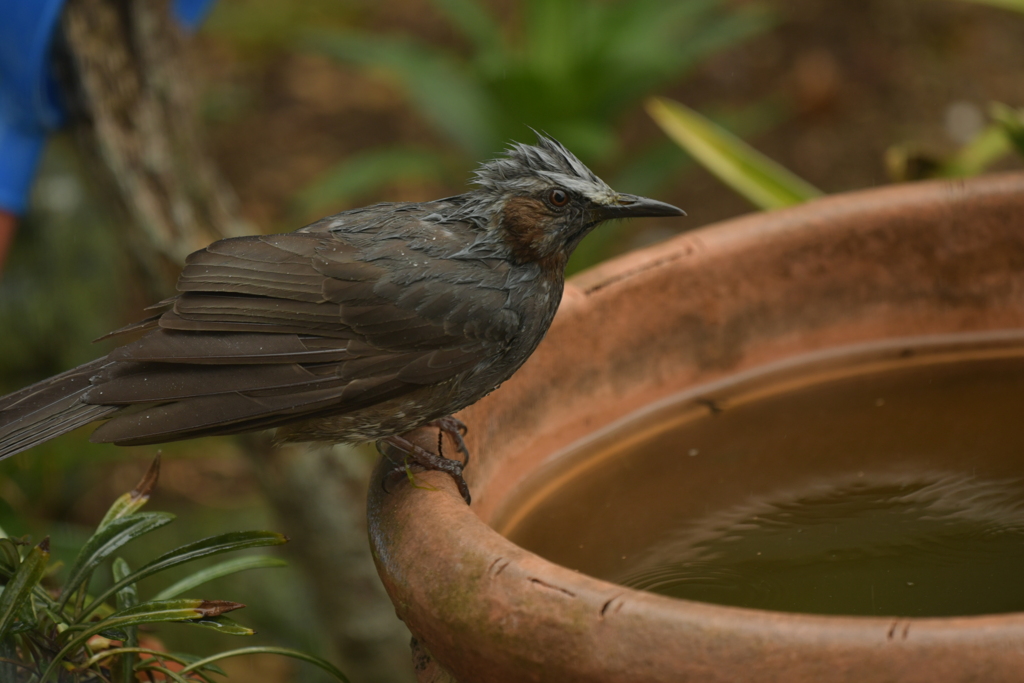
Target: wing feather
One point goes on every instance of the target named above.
(269, 330)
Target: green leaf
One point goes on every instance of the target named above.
(164, 671)
(323, 664)
(105, 542)
(362, 173)
(217, 571)
(223, 625)
(222, 543)
(42, 597)
(18, 590)
(152, 611)
(127, 598)
(155, 611)
(184, 658)
(9, 556)
(764, 182)
(179, 657)
(132, 501)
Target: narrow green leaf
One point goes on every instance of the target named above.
(225, 568)
(215, 545)
(105, 542)
(164, 671)
(10, 558)
(323, 664)
(181, 609)
(178, 657)
(185, 658)
(190, 611)
(132, 501)
(41, 595)
(223, 625)
(19, 589)
(127, 598)
(762, 181)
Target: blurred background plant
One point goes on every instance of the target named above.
(822, 88)
(571, 68)
(769, 185)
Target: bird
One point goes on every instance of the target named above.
(359, 327)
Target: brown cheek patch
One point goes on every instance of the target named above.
(523, 220)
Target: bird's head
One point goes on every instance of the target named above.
(543, 201)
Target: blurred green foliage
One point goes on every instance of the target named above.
(571, 69)
(1003, 137)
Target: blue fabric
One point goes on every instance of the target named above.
(30, 106)
(190, 13)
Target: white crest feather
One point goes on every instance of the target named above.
(524, 168)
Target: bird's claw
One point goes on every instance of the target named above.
(427, 460)
(456, 429)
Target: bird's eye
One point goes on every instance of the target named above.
(558, 197)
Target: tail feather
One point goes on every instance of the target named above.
(48, 409)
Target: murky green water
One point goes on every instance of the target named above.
(873, 488)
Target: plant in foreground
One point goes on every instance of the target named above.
(69, 635)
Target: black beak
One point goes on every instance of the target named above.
(632, 206)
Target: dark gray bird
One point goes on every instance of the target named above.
(360, 327)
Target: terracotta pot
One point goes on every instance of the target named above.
(904, 261)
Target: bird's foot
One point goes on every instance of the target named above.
(456, 429)
(429, 461)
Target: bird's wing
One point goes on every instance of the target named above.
(272, 329)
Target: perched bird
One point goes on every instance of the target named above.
(359, 327)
